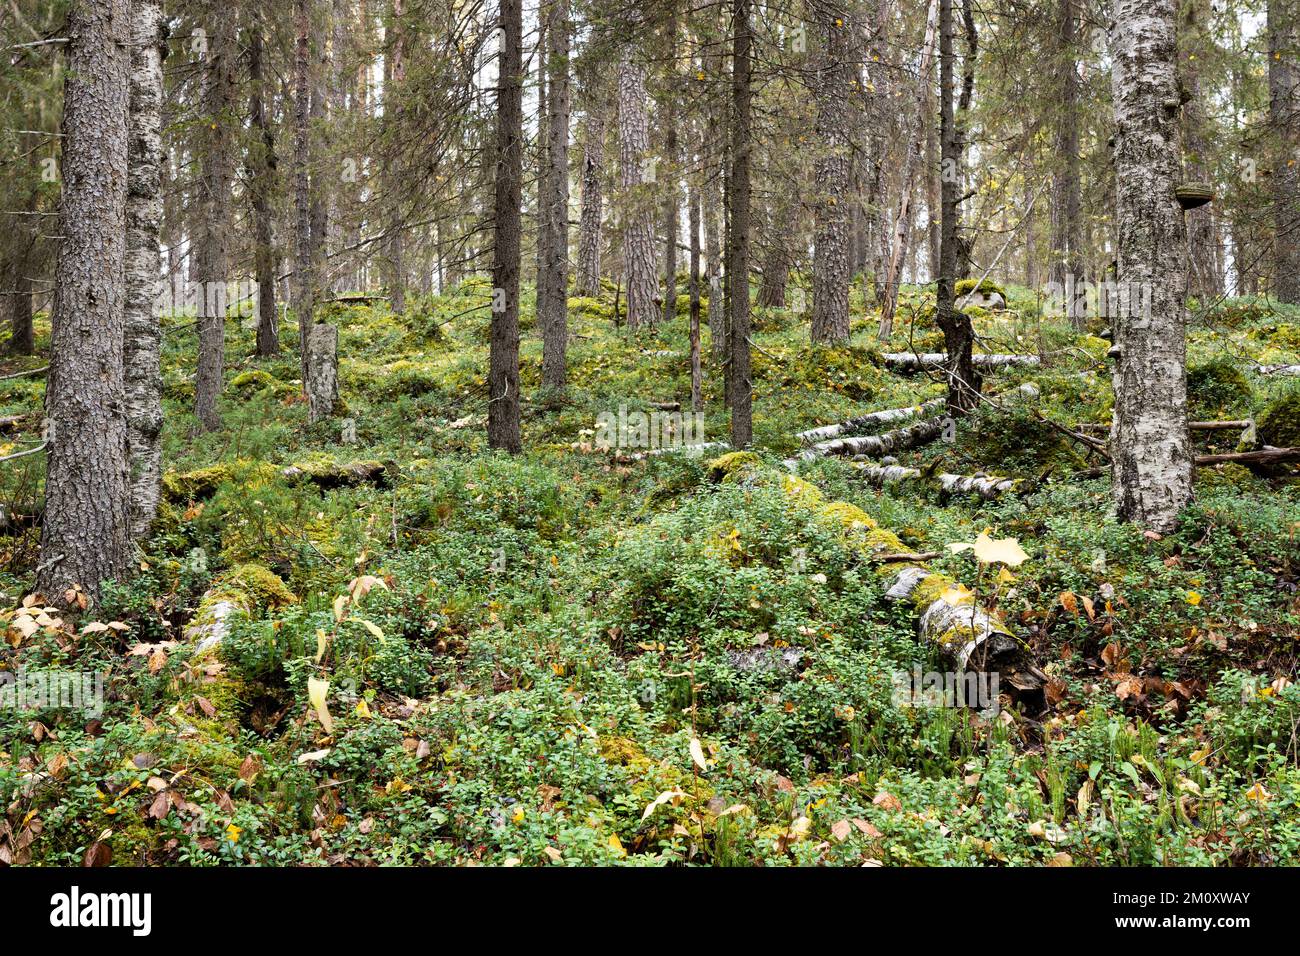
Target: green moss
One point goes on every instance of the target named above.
(1279, 424)
(249, 383)
(987, 287)
(1217, 386)
(197, 484)
(259, 586)
(733, 462)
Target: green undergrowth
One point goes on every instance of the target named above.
(520, 652)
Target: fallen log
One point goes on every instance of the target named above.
(333, 475)
(12, 422)
(1279, 370)
(1265, 456)
(883, 417)
(914, 361)
(949, 618)
(1231, 425)
(987, 487)
(885, 443)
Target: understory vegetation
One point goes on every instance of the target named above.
(432, 653)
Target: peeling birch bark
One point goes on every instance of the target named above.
(986, 486)
(913, 361)
(900, 439)
(1150, 444)
(885, 416)
(143, 341)
(964, 632)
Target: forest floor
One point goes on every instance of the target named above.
(575, 656)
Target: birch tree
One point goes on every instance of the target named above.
(143, 375)
(1149, 446)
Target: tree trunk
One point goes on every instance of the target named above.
(143, 341)
(261, 189)
(697, 384)
(1066, 269)
(739, 395)
(553, 284)
(672, 196)
(503, 358)
(897, 247)
(304, 266)
(22, 339)
(85, 536)
(395, 240)
(593, 173)
(958, 337)
(1206, 281)
(830, 300)
(1284, 118)
(638, 224)
(212, 244)
(1150, 449)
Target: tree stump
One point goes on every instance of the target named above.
(322, 371)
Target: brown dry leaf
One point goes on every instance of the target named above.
(1069, 602)
(249, 769)
(161, 805)
(887, 801)
(840, 830)
(1061, 859)
(98, 853)
(866, 828)
(1129, 687)
(1110, 654)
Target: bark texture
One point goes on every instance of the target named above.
(303, 292)
(593, 198)
(503, 358)
(212, 244)
(261, 189)
(553, 280)
(86, 532)
(638, 222)
(739, 393)
(830, 299)
(322, 371)
(1150, 448)
(1283, 27)
(143, 340)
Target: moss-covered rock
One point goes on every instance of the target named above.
(247, 384)
(731, 464)
(197, 484)
(1279, 424)
(1217, 386)
(987, 287)
(247, 589)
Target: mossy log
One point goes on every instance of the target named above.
(950, 619)
(971, 637)
(334, 475)
(914, 361)
(986, 486)
(244, 590)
